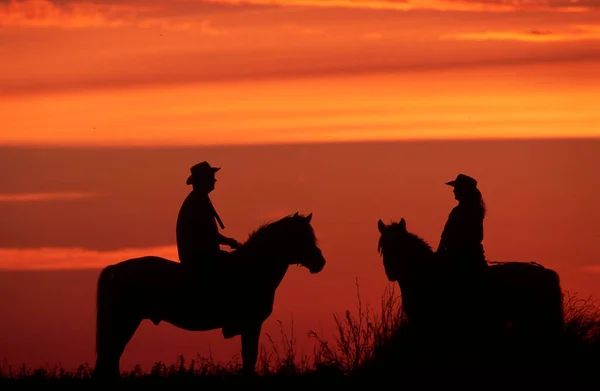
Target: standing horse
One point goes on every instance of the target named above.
(158, 289)
(525, 298)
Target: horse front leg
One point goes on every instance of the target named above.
(250, 339)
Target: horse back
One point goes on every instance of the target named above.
(522, 282)
(521, 272)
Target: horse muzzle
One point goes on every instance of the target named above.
(317, 266)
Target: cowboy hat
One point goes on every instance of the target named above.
(463, 181)
(201, 170)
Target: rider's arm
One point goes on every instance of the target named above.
(227, 241)
(444, 236)
(441, 245)
(451, 229)
(223, 239)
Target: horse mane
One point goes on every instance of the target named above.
(419, 243)
(267, 229)
(410, 239)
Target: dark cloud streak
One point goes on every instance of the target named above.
(284, 71)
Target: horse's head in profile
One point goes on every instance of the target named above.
(292, 239)
(401, 250)
(301, 243)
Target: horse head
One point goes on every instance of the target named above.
(301, 244)
(401, 250)
(290, 239)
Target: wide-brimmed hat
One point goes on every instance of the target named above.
(463, 181)
(201, 171)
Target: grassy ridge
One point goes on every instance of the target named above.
(370, 346)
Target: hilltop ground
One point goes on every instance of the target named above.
(373, 349)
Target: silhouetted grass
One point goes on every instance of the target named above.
(371, 346)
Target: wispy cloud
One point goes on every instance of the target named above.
(561, 5)
(184, 14)
(55, 258)
(45, 13)
(372, 36)
(27, 197)
(439, 5)
(592, 268)
(301, 30)
(94, 14)
(576, 33)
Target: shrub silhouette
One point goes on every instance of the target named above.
(368, 346)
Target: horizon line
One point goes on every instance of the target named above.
(411, 140)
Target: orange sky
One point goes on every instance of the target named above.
(228, 72)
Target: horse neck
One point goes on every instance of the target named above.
(264, 262)
(420, 267)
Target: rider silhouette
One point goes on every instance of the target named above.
(198, 237)
(461, 246)
(461, 240)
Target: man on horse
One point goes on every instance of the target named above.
(198, 238)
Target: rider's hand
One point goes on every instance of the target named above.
(234, 244)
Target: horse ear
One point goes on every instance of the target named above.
(309, 217)
(296, 214)
(381, 226)
(403, 224)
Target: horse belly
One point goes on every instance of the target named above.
(193, 316)
(160, 290)
(195, 324)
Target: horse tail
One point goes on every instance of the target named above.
(103, 307)
(557, 320)
(550, 311)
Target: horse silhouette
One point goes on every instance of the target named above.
(158, 289)
(519, 298)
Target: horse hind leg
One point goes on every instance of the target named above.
(104, 367)
(114, 327)
(109, 354)
(548, 309)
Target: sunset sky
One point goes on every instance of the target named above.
(104, 106)
(261, 71)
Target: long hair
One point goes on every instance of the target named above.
(472, 197)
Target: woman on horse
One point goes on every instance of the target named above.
(461, 240)
(461, 249)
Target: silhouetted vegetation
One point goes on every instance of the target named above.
(371, 346)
